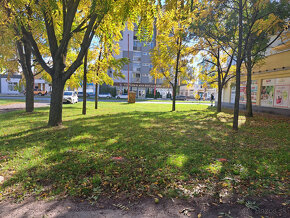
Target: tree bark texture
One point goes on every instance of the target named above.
(220, 87)
(55, 112)
(175, 78)
(25, 55)
(85, 85)
(249, 108)
(238, 69)
(29, 94)
(173, 97)
(96, 96)
(219, 103)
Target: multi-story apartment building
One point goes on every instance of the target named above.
(140, 80)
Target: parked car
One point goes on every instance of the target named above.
(106, 95)
(80, 94)
(37, 92)
(180, 97)
(70, 97)
(122, 96)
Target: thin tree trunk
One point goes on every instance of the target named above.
(238, 70)
(175, 78)
(220, 88)
(24, 52)
(55, 112)
(85, 85)
(173, 96)
(219, 103)
(97, 85)
(96, 96)
(29, 95)
(249, 108)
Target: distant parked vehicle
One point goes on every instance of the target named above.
(80, 94)
(180, 97)
(105, 95)
(70, 97)
(38, 92)
(122, 96)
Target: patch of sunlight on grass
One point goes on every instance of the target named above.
(215, 167)
(85, 136)
(87, 124)
(199, 126)
(224, 117)
(228, 118)
(242, 120)
(112, 141)
(177, 160)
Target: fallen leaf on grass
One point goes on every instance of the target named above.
(222, 160)
(117, 158)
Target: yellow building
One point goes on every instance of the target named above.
(270, 81)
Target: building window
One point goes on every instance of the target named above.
(135, 65)
(136, 58)
(137, 54)
(145, 53)
(12, 86)
(146, 65)
(137, 75)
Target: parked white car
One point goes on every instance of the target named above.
(122, 96)
(70, 97)
(107, 95)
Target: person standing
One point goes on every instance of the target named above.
(211, 99)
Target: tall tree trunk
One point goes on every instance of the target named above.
(24, 52)
(96, 96)
(29, 95)
(220, 87)
(85, 85)
(55, 112)
(175, 78)
(173, 96)
(238, 70)
(249, 108)
(219, 103)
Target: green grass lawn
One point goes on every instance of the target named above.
(10, 101)
(190, 152)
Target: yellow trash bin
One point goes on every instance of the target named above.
(131, 97)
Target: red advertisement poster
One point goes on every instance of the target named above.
(281, 96)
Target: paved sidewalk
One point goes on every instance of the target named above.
(19, 106)
(169, 102)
